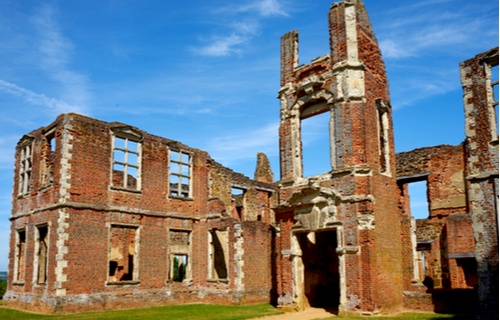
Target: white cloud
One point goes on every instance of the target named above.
(58, 106)
(251, 27)
(242, 30)
(416, 33)
(222, 46)
(55, 52)
(268, 8)
(244, 145)
(263, 8)
(422, 88)
(391, 49)
(417, 4)
(430, 37)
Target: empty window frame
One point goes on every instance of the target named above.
(25, 166)
(383, 137)
(126, 162)
(41, 253)
(419, 203)
(48, 159)
(179, 255)
(180, 174)
(491, 72)
(218, 253)
(123, 252)
(315, 137)
(179, 267)
(237, 198)
(20, 256)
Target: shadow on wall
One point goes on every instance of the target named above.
(454, 301)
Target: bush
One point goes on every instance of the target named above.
(3, 287)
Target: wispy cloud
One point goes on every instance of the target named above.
(420, 88)
(423, 42)
(244, 144)
(423, 28)
(56, 105)
(433, 36)
(416, 5)
(241, 31)
(222, 46)
(55, 52)
(392, 49)
(264, 8)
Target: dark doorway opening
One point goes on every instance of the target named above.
(321, 268)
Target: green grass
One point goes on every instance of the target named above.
(200, 312)
(182, 312)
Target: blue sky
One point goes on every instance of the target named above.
(206, 73)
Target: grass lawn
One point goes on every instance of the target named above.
(201, 312)
(181, 312)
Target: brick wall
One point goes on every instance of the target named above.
(109, 246)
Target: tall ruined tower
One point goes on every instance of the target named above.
(339, 235)
(481, 129)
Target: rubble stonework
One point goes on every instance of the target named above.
(165, 224)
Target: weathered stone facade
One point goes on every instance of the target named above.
(107, 216)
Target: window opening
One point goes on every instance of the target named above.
(383, 136)
(419, 209)
(180, 174)
(236, 191)
(422, 267)
(20, 256)
(180, 266)
(48, 159)
(491, 76)
(218, 253)
(419, 205)
(126, 163)
(494, 86)
(25, 170)
(179, 248)
(122, 254)
(315, 137)
(41, 254)
(237, 196)
(494, 82)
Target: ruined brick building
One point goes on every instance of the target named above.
(106, 216)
